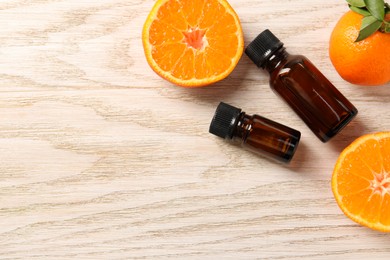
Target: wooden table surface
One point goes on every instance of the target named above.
(102, 159)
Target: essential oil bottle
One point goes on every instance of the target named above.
(306, 90)
(254, 132)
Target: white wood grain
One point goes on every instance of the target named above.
(102, 159)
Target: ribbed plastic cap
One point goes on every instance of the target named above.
(224, 120)
(262, 47)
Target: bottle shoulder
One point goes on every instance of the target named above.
(294, 59)
(283, 60)
(287, 64)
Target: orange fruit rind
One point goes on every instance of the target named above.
(192, 43)
(361, 181)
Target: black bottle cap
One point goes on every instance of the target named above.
(262, 47)
(224, 120)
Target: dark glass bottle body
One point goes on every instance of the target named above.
(255, 133)
(305, 89)
(266, 137)
(311, 95)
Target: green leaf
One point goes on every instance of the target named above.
(369, 25)
(361, 11)
(376, 8)
(357, 3)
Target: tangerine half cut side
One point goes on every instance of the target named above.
(192, 43)
(361, 181)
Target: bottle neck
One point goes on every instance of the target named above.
(275, 60)
(243, 127)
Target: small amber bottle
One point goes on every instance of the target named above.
(255, 133)
(310, 94)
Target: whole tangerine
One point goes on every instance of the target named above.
(366, 62)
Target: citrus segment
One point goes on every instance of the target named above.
(192, 10)
(385, 151)
(361, 181)
(176, 21)
(184, 68)
(174, 51)
(356, 202)
(214, 10)
(351, 183)
(385, 211)
(369, 153)
(372, 207)
(192, 42)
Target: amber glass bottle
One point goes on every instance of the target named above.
(311, 95)
(255, 133)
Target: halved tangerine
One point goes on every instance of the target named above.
(192, 43)
(361, 181)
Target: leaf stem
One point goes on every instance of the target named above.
(385, 28)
